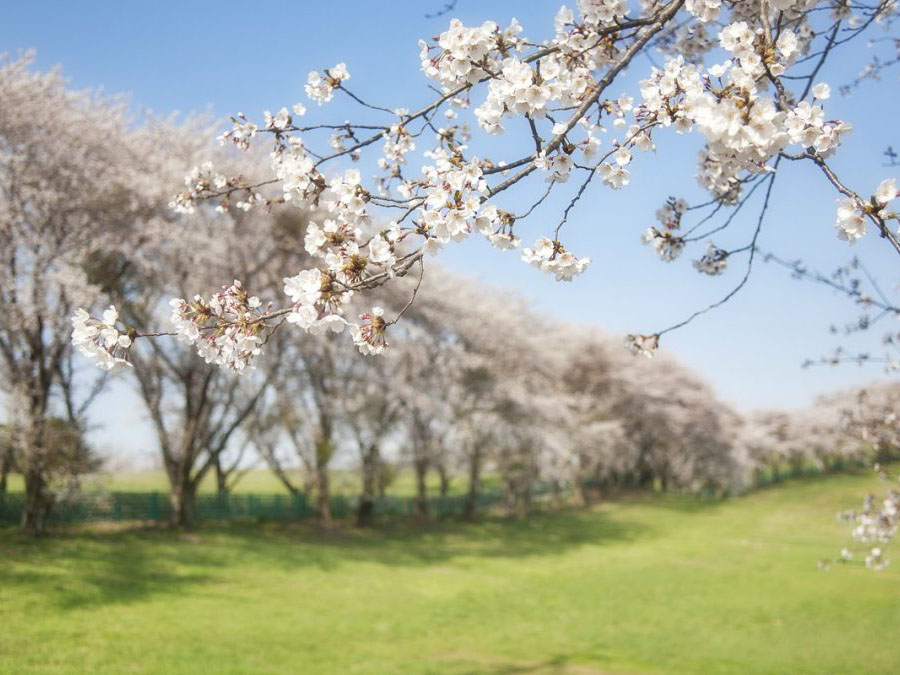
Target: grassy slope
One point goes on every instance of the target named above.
(658, 585)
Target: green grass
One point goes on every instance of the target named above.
(656, 585)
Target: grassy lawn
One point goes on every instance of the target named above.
(660, 584)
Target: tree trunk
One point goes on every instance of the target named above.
(527, 497)
(581, 492)
(584, 493)
(221, 479)
(556, 495)
(510, 496)
(183, 499)
(38, 500)
(323, 496)
(883, 454)
(381, 482)
(471, 508)
(37, 503)
(384, 476)
(5, 465)
(445, 479)
(420, 464)
(365, 515)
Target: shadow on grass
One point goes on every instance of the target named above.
(669, 501)
(561, 664)
(84, 567)
(810, 477)
(787, 484)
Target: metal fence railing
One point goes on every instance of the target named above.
(154, 506)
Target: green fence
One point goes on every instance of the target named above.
(154, 506)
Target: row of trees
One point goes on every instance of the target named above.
(474, 381)
(840, 429)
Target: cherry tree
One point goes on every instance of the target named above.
(315, 423)
(71, 191)
(875, 423)
(266, 432)
(845, 428)
(681, 435)
(199, 412)
(6, 459)
(869, 416)
(461, 384)
(583, 410)
(327, 403)
(781, 444)
(601, 454)
(372, 410)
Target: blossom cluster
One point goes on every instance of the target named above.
(670, 213)
(241, 133)
(645, 345)
(806, 126)
(397, 143)
(743, 126)
(296, 171)
(200, 182)
(100, 340)
(851, 222)
(227, 329)
(370, 336)
(453, 192)
(712, 262)
(321, 89)
(852, 213)
(876, 524)
(551, 257)
(705, 11)
(615, 175)
(519, 85)
(465, 54)
(318, 300)
(558, 166)
(667, 244)
(597, 13)
(518, 91)
(562, 77)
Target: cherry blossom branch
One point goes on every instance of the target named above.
(734, 291)
(799, 271)
(415, 292)
(872, 213)
(744, 126)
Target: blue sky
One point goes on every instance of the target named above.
(225, 57)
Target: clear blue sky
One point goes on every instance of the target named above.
(226, 56)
